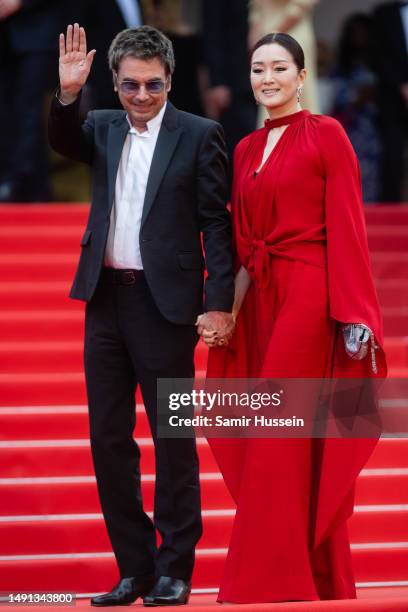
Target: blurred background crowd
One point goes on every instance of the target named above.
(356, 55)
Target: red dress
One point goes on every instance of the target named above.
(299, 231)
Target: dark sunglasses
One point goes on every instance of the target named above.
(133, 87)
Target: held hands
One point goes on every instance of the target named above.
(74, 63)
(215, 327)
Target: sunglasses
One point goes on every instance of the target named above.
(133, 87)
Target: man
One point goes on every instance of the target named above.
(391, 36)
(28, 29)
(159, 180)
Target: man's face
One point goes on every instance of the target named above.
(144, 104)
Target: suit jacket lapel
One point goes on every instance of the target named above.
(118, 130)
(167, 140)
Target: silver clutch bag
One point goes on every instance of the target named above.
(357, 338)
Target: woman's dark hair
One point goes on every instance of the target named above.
(286, 41)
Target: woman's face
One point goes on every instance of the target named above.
(275, 77)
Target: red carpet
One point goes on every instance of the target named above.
(52, 535)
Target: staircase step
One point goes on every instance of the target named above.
(76, 534)
(389, 264)
(386, 214)
(78, 494)
(89, 573)
(38, 266)
(52, 388)
(389, 453)
(382, 485)
(395, 320)
(36, 239)
(41, 325)
(397, 351)
(81, 533)
(55, 356)
(47, 295)
(61, 457)
(44, 214)
(392, 292)
(97, 572)
(387, 237)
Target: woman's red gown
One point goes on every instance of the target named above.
(299, 231)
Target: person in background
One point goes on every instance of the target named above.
(391, 34)
(228, 96)
(295, 18)
(181, 21)
(28, 57)
(355, 100)
(103, 19)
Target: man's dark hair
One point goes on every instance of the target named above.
(143, 42)
(286, 41)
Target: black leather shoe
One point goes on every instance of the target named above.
(168, 592)
(124, 593)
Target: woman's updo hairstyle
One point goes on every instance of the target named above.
(287, 42)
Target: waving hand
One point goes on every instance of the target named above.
(74, 62)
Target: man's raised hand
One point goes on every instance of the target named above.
(74, 63)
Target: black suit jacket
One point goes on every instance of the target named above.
(391, 48)
(186, 194)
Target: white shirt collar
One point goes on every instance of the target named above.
(152, 126)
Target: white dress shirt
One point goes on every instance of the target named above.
(404, 19)
(122, 247)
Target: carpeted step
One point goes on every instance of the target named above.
(391, 599)
(57, 457)
(38, 267)
(41, 325)
(387, 237)
(44, 214)
(395, 320)
(392, 292)
(63, 457)
(96, 571)
(57, 356)
(67, 355)
(43, 295)
(389, 264)
(80, 533)
(37, 239)
(77, 494)
(386, 214)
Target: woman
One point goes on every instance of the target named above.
(295, 17)
(302, 274)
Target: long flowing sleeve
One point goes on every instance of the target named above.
(353, 297)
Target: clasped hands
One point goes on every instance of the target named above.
(215, 327)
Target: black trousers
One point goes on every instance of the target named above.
(129, 343)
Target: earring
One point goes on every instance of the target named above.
(299, 93)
